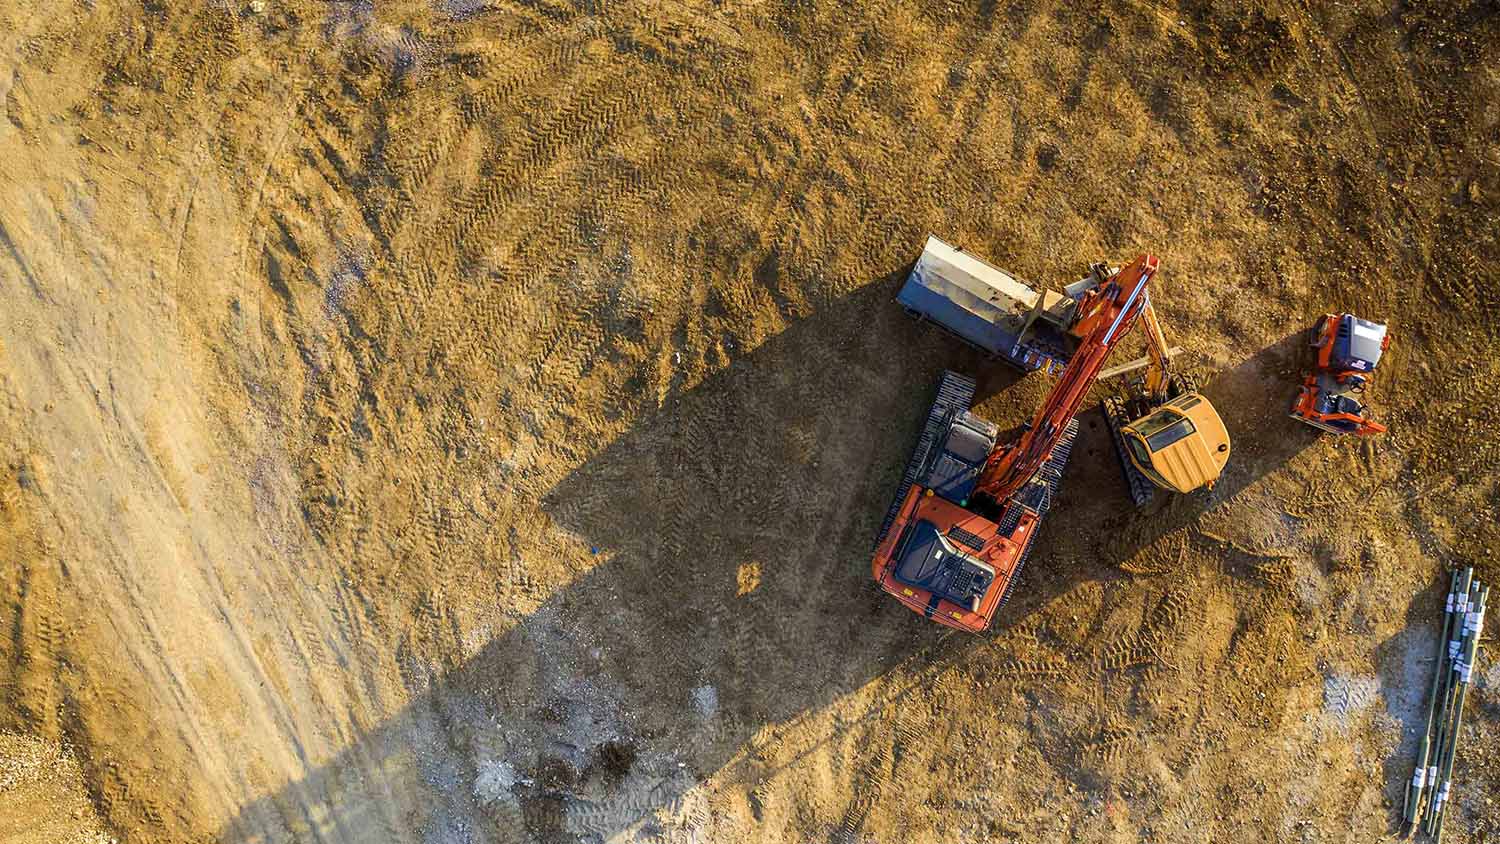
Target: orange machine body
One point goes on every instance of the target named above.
(954, 547)
(1003, 553)
(1347, 351)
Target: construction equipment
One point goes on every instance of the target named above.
(1428, 794)
(967, 511)
(1331, 398)
(1166, 433)
(993, 310)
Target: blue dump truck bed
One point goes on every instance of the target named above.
(989, 308)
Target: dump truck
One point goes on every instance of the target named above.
(992, 310)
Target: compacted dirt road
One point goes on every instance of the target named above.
(461, 421)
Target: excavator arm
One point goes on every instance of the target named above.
(1158, 372)
(1106, 314)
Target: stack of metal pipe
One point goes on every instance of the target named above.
(1427, 795)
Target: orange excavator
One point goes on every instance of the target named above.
(968, 508)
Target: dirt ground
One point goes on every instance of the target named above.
(466, 421)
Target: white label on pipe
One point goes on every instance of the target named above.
(1419, 778)
(1474, 622)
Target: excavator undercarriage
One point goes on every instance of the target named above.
(948, 460)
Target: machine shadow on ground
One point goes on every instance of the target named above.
(732, 527)
(1405, 663)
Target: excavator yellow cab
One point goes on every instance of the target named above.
(1181, 445)
(1166, 433)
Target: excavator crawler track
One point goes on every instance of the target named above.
(1051, 474)
(954, 394)
(1141, 488)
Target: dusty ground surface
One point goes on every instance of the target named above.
(468, 421)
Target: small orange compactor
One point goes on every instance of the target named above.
(1332, 396)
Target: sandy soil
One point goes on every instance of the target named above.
(461, 421)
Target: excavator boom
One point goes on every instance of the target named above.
(1106, 315)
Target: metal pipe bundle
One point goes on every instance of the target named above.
(1463, 673)
(1454, 648)
(1427, 795)
(1415, 790)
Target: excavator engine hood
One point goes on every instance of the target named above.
(926, 559)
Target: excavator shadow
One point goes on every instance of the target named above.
(727, 625)
(738, 519)
(1252, 397)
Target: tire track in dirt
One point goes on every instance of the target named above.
(866, 784)
(482, 218)
(757, 165)
(432, 137)
(1148, 643)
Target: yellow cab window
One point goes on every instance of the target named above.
(1170, 434)
(1155, 422)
